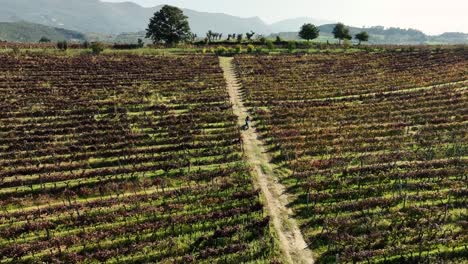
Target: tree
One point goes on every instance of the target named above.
(278, 40)
(44, 40)
(209, 35)
(169, 25)
(240, 37)
(309, 31)
(141, 44)
(249, 35)
(362, 36)
(341, 32)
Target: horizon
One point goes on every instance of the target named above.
(397, 13)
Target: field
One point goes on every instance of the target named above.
(124, 159)
(372, 148)
(354, 156)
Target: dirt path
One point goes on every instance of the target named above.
(291, 241)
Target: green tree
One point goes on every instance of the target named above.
(341, 32)
(44, 40)
(362, 37)
(249, 35)
(97, 48)
(169, 25)
(309, 31)
(141, 44)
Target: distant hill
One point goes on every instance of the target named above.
(382, 35)
(294, 24)
(29, 32)
(104, 20)
(114, 18)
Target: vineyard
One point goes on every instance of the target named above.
(125, 159)
(372, 148)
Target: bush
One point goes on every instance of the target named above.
(62, 45)
(85, 45)
(221, 51)
(270, 45)
(141, 44)
(238, 49)
(278, 39)
(292, 46)
(97, 48)
(250, 48)
(346, 43)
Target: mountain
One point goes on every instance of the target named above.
(294, 24)
(382, 35)
(29, 32)
(106, 20)
(115, 18)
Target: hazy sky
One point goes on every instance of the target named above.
(430, 16)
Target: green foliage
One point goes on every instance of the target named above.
(309, 32)
(212, 36)
(292, 46)
(270, 45)
(62, 45)
(97, 48)
(44, 40)
(240, 37)
(169, 25)
(341, 32)
(141, 44)
(362, 37)
(238, 49)
(250, 48)
(249, 35)
(278, 39)
(221, 51)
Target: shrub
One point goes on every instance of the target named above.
(141, 44)
(270, 45)
(250, 48)
(278, 39)
(62, 45)
(292, 46)
(346, 43)
(221, 51)
(97, 48)
(238, 49)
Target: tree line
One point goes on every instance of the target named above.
(171, 26)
